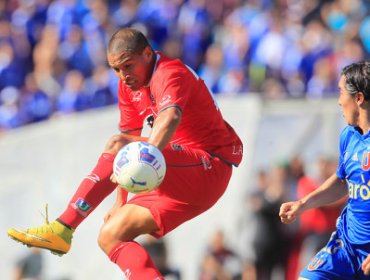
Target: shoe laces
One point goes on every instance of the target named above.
(46, 216)
(45, 228)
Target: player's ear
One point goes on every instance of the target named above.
(148, 52)
(360, 98)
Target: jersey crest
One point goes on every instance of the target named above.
(365, 161)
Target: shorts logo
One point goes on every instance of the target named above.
(206, 163)
(333, 246)
(314, 264)
(237, 150)
(81, 206)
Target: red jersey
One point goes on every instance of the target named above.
(174, 84)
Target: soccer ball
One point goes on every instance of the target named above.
(139, 167)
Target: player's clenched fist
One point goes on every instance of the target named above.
(289, 211)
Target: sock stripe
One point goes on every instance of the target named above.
(114, 252)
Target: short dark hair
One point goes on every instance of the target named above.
(127, 40)
(358, 78)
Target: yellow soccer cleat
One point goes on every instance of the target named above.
(54, 236)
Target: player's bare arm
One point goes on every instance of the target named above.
(330, 191)
(165, 126)
(116, 142)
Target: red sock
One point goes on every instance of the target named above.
(134, 261)
(92, 190)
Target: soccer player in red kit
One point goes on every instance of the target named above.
(200, 149)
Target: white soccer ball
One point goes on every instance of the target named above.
(139, 167)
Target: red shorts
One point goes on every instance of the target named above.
(194, 181)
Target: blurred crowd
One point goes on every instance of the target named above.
(52, 53)
(266, 249)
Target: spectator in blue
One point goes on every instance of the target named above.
(364, 33)
(75, 52)
(99, 88)
(73, 97)
(10, 116)
(36, 105)
(212, 69)
(11, 69)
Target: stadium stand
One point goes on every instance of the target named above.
(53, 52)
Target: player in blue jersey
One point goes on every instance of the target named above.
(347, 254)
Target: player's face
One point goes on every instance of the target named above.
(350, 108)
(134, 70)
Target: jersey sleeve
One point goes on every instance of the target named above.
(128, 113)
(342, 153)
(173, 88)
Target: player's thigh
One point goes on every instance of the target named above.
(128, 222)
(332, 262)
(194, 181)
(194, 176)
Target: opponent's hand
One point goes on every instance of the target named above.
(366, 265)
(289, 211)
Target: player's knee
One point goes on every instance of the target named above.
(108, 238)
(113, 233)
(102, 241)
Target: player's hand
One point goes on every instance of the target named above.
(113, 179)
(289, 211)
(366, 265)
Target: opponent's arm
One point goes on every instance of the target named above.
(330, 191)
(165, 126)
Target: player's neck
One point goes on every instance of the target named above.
(154, 66)
(364, 122)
